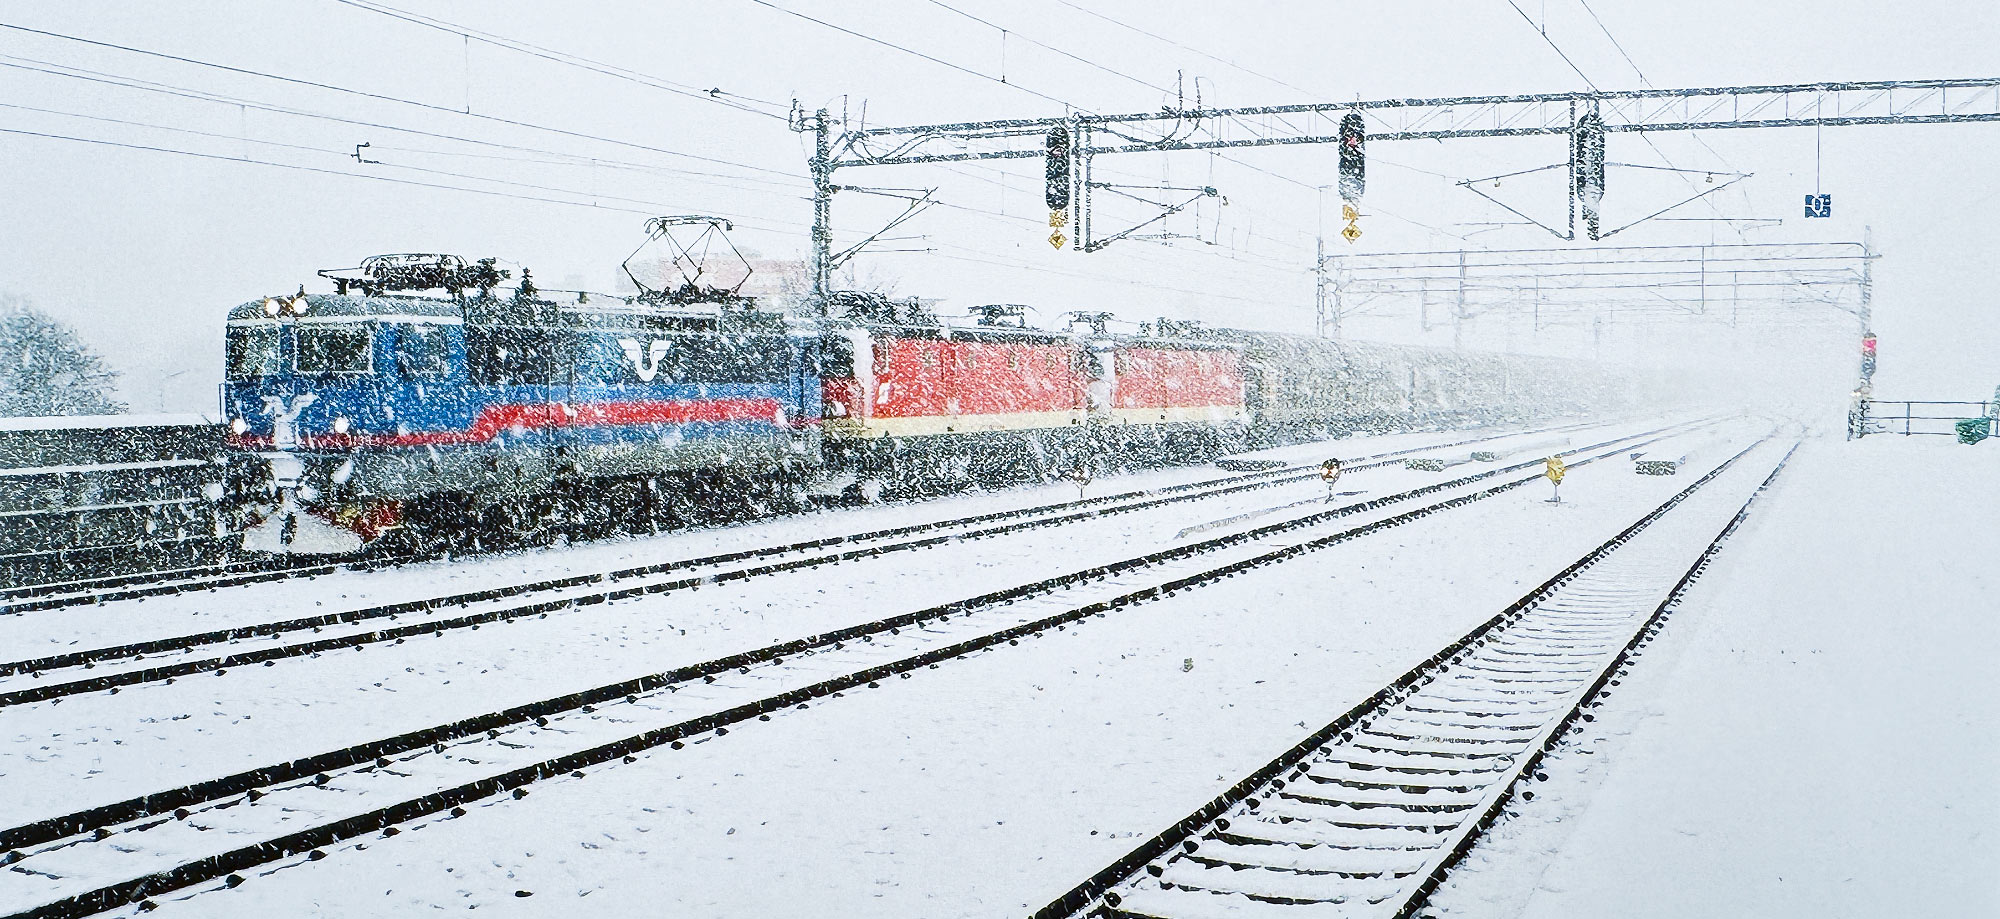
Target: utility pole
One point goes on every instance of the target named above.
(1458, 308)
(822, 229)
(1864, 388)
(1319, 287)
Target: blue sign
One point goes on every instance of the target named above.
(1819, 205)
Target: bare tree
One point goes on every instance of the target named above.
(45, 369)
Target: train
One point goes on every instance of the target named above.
(425, 407)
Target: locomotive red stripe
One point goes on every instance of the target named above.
(495, 420)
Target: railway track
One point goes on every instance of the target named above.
(255, 571)
(1365, 817)
(222, 830)
(113, 667)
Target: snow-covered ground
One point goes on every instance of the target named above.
(985, 787)
(55, 631)
(1817, 735)
(97, 748)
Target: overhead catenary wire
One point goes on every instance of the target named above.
(1615, 43)
(109, 79)
(1542, 31)
(382, 97)
(653, 208)
(715, 95)
(790, 191)
(1016, 85)
(1223, 61)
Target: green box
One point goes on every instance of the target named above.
(1974, 430)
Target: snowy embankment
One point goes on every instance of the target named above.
(1818, 733)
(994, 783)
(100, 747)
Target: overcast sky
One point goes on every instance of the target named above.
(144, 251)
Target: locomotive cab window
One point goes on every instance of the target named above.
(253, 352)
(423, 352)
(333, 349)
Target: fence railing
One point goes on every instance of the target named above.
(1917, 417)
(97, 497)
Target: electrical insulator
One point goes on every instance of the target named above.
(1353, 157)
(1058, 169)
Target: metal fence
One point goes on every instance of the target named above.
(1879, 417)
(86, 498)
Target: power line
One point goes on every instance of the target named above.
(1646, 82)
(1543, 32)
(385, 98)
(653, 208)
(1552, 43)
(906, 50)
(500, 41)
(339, 153)
(1614, 41)
(1161, 38)
(1040, 44)
(109, 79)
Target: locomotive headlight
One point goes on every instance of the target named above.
(299, 305)
(340, 424)
(238, 425)
(272, 306)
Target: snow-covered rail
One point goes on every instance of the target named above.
(215, 831)
(132, 663)
(1366, 816)
(171, 581)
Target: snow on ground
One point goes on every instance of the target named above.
(25, 635)
(101, 747)
(1817, 736)
(992, 784)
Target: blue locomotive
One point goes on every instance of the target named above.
(368, 412)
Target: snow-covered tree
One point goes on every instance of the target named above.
(46, 370)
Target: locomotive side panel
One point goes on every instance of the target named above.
(1170, 385)
(924, 387)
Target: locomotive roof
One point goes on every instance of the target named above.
(504, 311)
(348, 305)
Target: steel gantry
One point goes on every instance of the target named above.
(1586, 116)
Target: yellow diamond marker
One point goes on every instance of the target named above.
(1056, 239)
(1058, 217)
(1350, 232)
(1555, 469)
(1347, 212)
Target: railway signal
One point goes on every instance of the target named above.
(1057, 193)
(1587, 167)
(1554, 469)
(1329, 472)
(1867, 355)
(1353, 157)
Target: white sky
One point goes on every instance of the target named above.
(144, 251)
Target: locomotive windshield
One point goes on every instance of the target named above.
(333, 349)
(253, 352)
